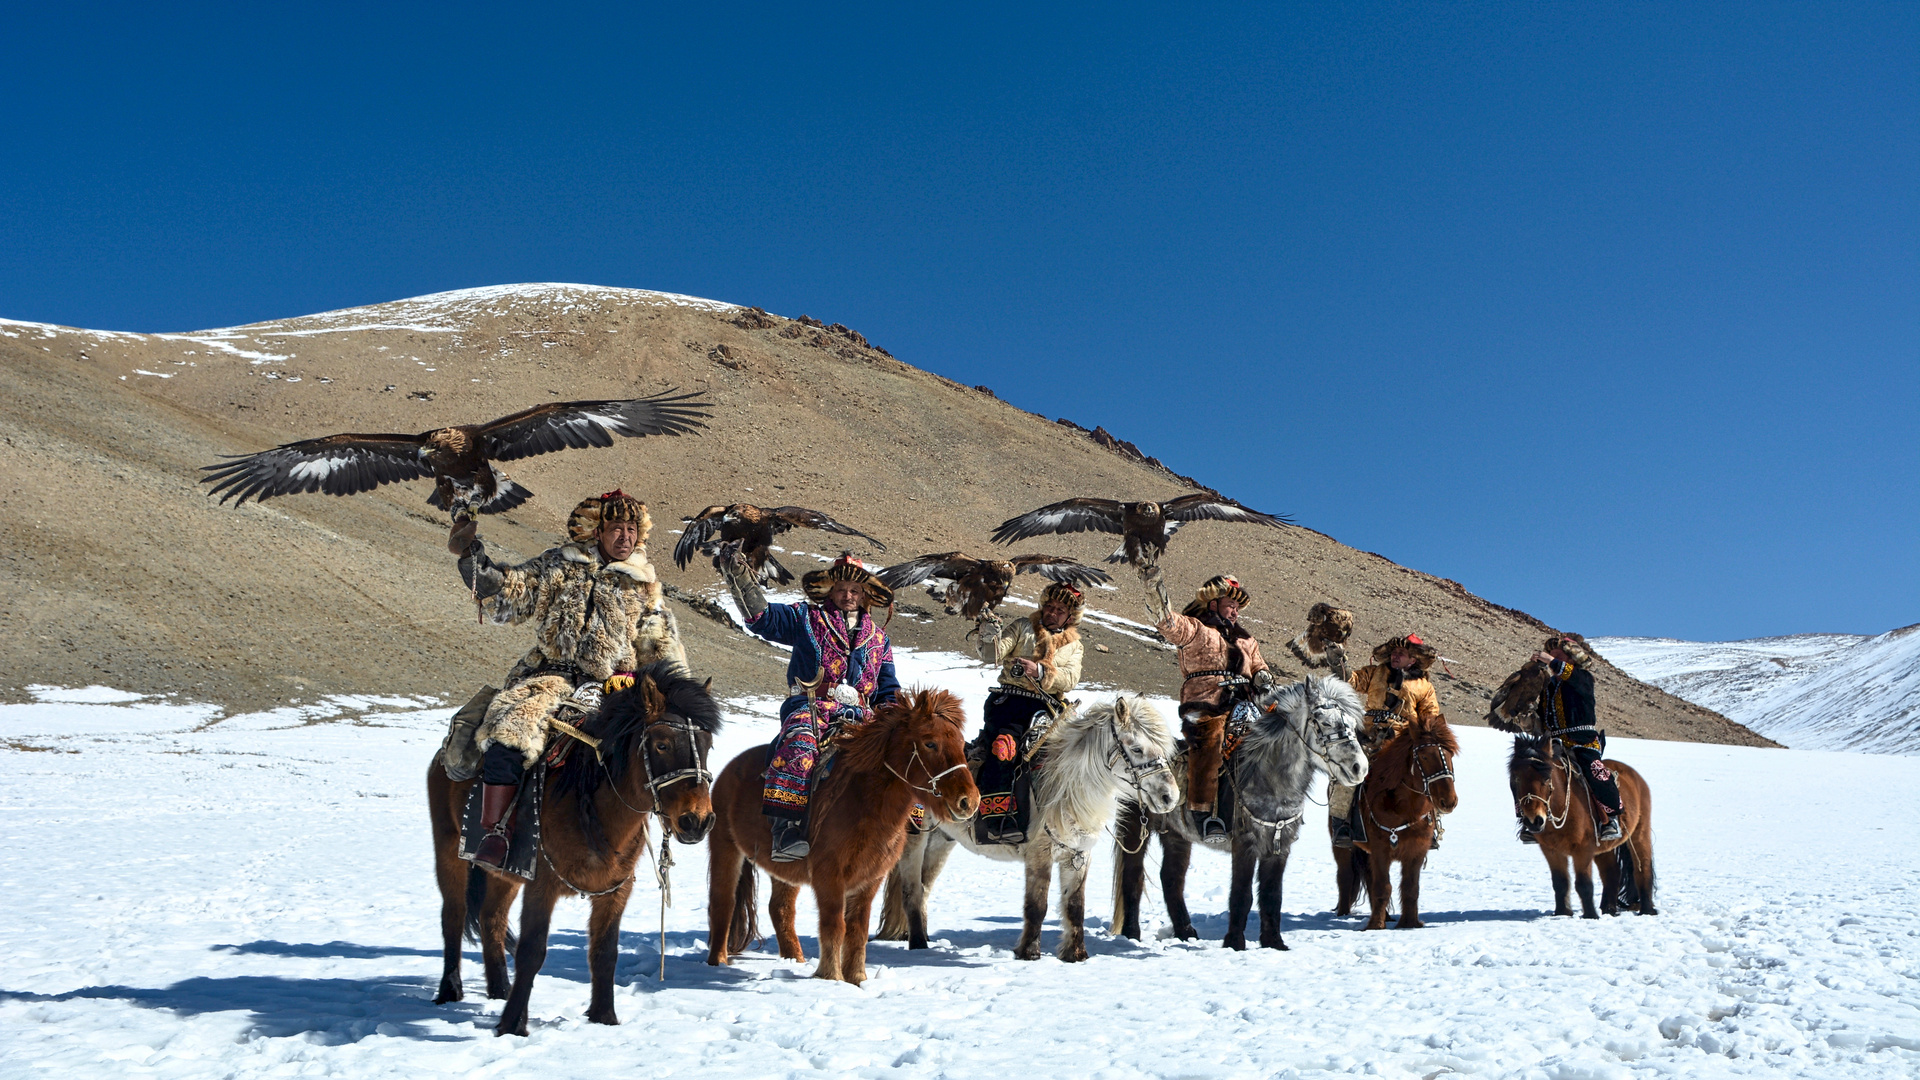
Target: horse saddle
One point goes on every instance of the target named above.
(460, 756)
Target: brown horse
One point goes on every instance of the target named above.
(593, 824)
(1409, 784)
(911, 750)
(1555, 809)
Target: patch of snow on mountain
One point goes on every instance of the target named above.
(449, 312)
(1808, 691)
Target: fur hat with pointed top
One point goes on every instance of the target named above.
(583, 525)
(1067, 597)
(1423, 654)
(817, 583)
(1574, 644)
(1217, 586)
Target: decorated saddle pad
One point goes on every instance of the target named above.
(523, 848)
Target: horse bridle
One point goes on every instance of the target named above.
(933, 778)
(1555, 762)
(1139, 771)
(1426, 778)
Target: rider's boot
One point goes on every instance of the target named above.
(1610, 830)
(496, 800)
(789, 839)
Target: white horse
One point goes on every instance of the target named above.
(1085, 763)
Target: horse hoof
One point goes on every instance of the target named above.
(1276, 943)
(1073, 956)
(1186, 933)
(1024, 953)
(1236, 943)
(608, 1018)
(450, 993)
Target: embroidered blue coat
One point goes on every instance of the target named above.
(869, 663)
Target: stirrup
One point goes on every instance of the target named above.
(1212, 829)
(1609, 831)
(1342, 834)
(493, 847)
(789, 840)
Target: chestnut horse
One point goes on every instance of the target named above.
(654, 739)
(1409, 784)
(911, 750)
(1554, 808)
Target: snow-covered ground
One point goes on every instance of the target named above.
(254, 897)
(1807, 691)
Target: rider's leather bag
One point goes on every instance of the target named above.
(459, 754)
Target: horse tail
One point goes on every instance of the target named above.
(893, 908)
(1363, 867)
(746, 912)
(477, 898)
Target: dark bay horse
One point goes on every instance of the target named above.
(593, 825)
(1306, 726)
(1551, 801)
(857, 814)
(1409, 784)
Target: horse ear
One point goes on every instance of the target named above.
(707, 687)
(656, 701)
(1120, 708)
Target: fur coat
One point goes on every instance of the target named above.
(1204, 648)
(1059, 654)
(1417, 699)
(603, 617)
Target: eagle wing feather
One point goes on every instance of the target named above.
(343, 464)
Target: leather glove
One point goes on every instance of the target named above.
(461, 537)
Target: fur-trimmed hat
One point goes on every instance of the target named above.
(1068, 597)
(583, 525)
(817, 583)
(1575, 645)
(1423, 654)
(1217, 586)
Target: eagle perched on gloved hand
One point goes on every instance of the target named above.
(720, 531)
(460, 459)
(977, 585)
(1145, 527)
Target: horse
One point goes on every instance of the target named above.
(1561, 822)
(1399, 820)
(654, 738)
(1302, 727)
(1084, 762)
(861, 800)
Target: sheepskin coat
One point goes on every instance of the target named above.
(1417, 700)
(1204, 648)
(601, 616)
(1059, 654)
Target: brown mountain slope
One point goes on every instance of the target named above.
(119, 570)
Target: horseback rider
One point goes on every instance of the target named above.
(1567, 715)
(600, 618)
(1220, 671)
(842, 667)
(1039, 662)
(1397, 692)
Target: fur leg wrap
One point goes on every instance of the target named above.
(1205, 754)
(1339, 801)
(518, 715)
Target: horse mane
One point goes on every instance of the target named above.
(621, 720)
(1394, 762)
(863, 747)
(1529, 748)
(1284, 707)
(1075, 777)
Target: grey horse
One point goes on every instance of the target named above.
(1089, 761)
(1296, 730)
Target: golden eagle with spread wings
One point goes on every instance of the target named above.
(459, 459)
(720, 531)
(977, 585)
(1144, 527)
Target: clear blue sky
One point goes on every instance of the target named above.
(1610, 312)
